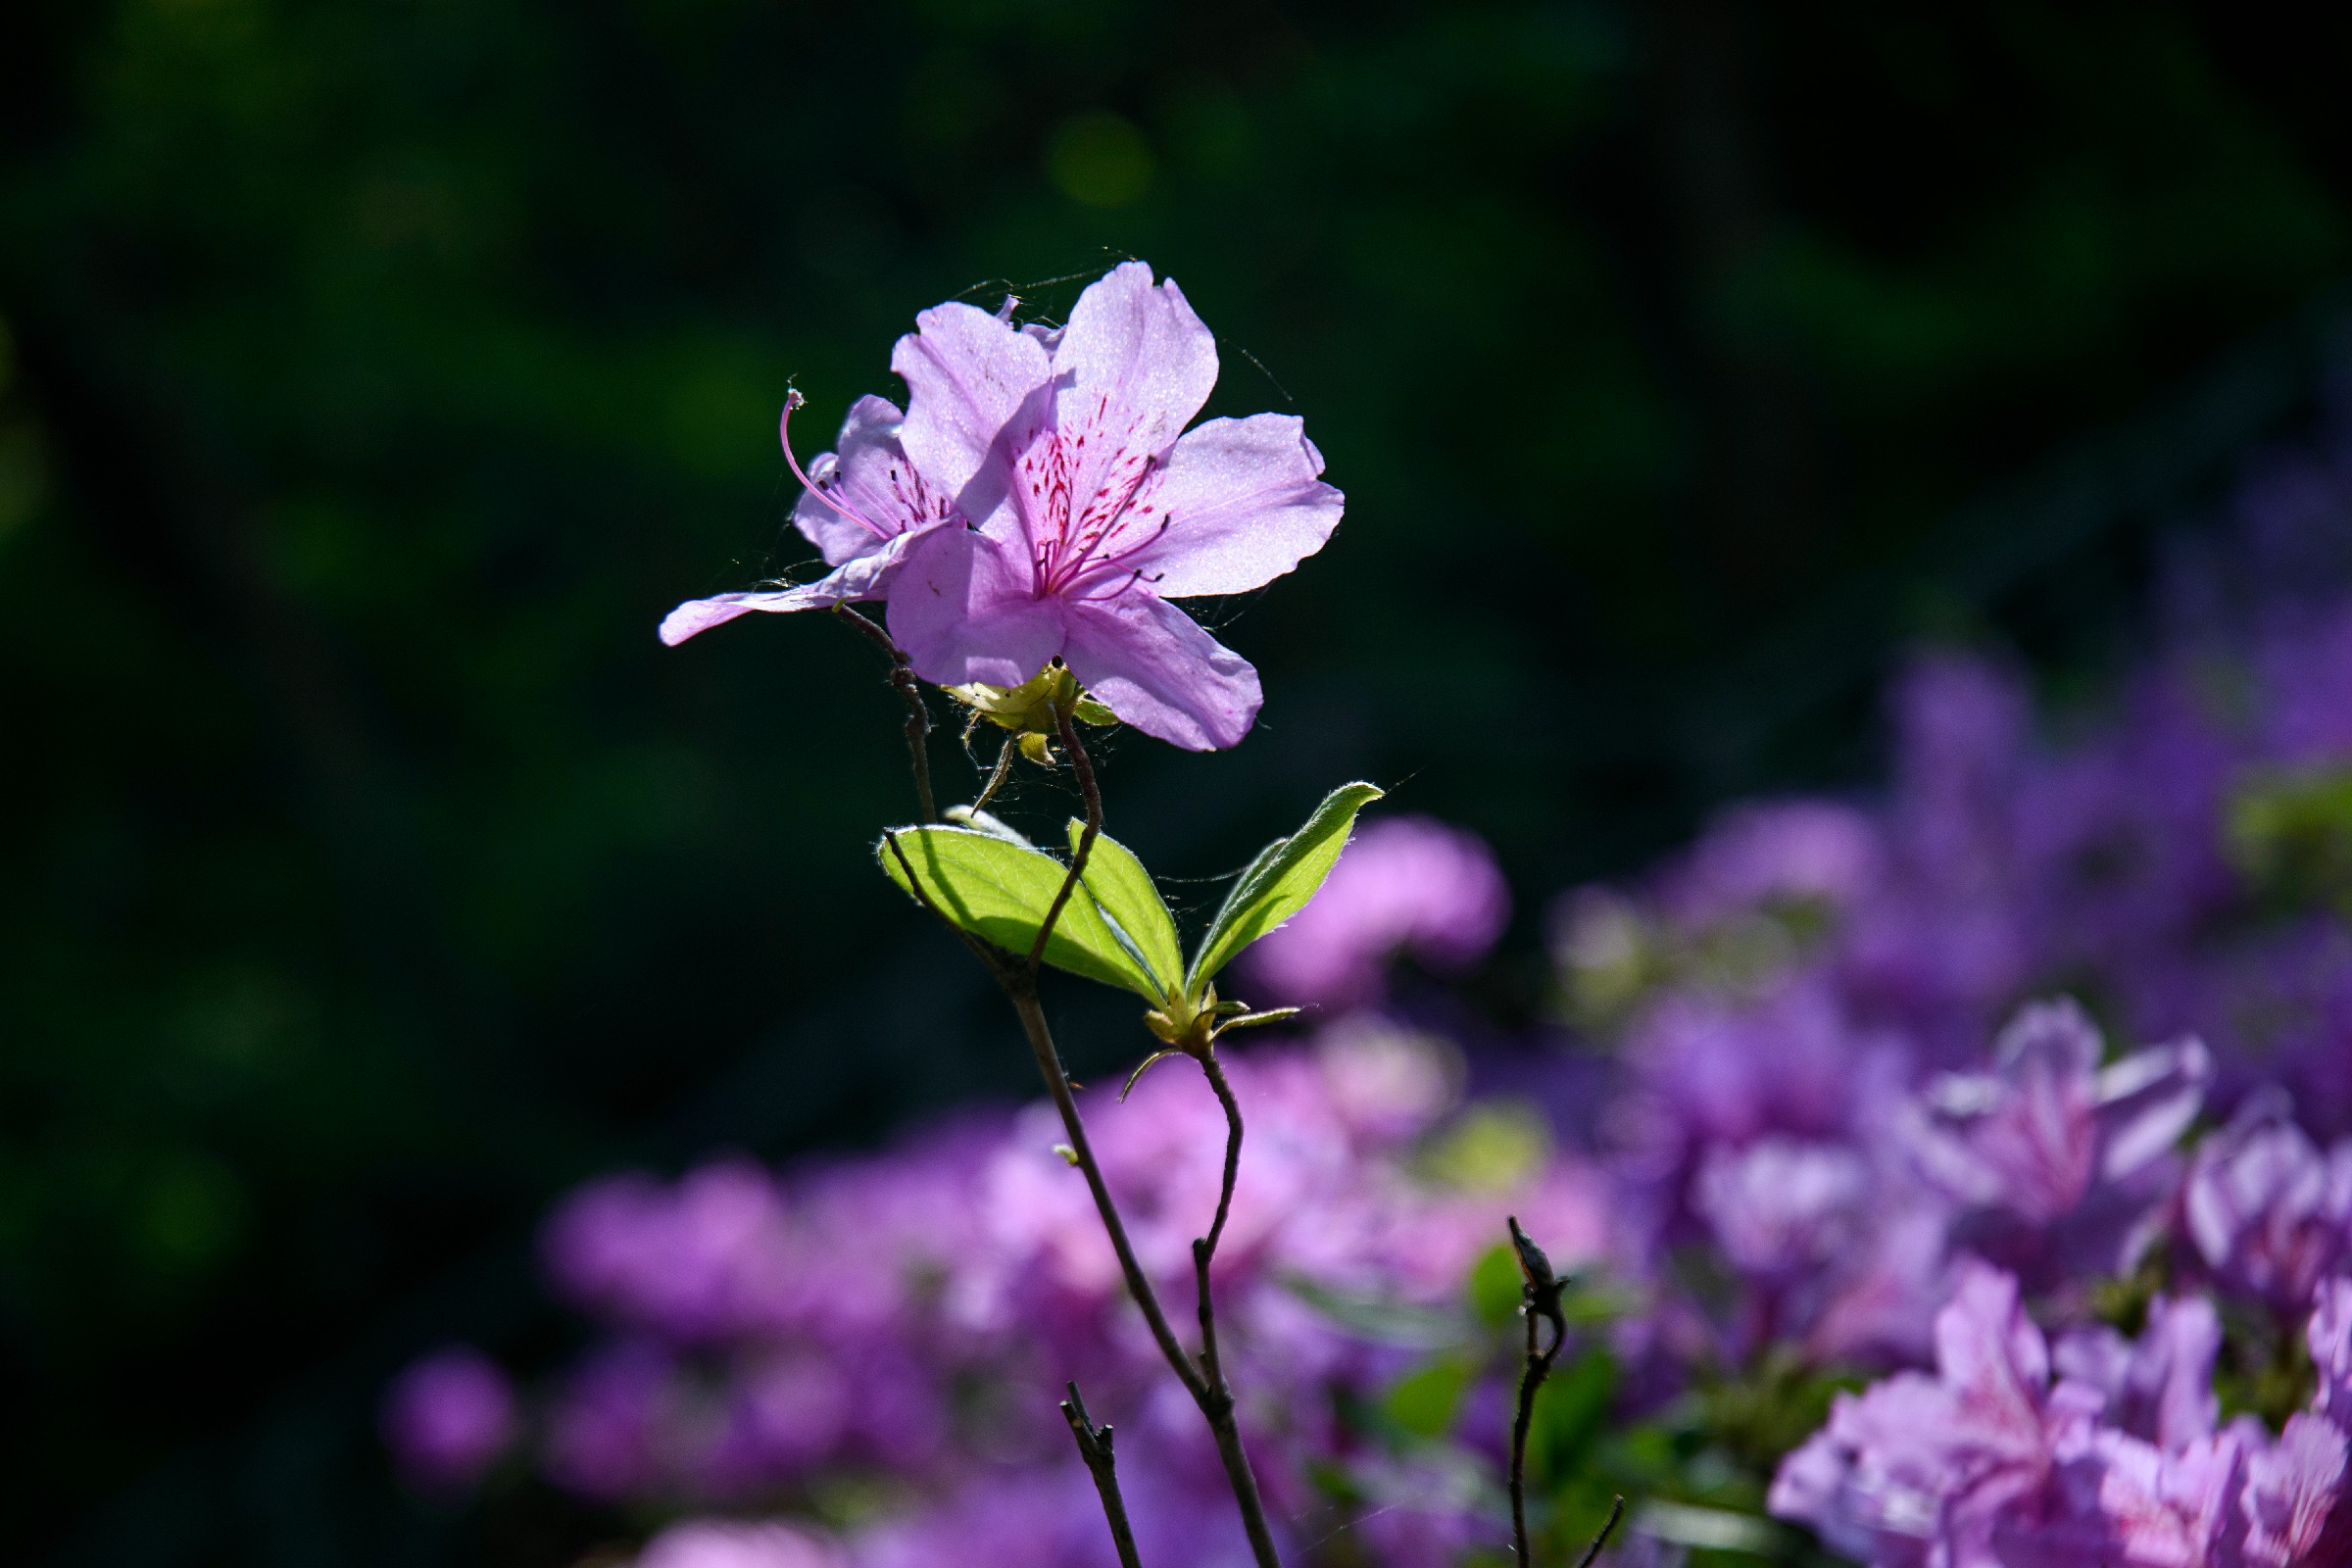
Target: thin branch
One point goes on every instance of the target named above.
(1215, 1401)
(1084, 766)
(1018, 981)
(1217, 1404)
(1540, 1301)
(1616, 1512)
(1093, 1446)
(1021, 989)
(918, 711)
(1204, 1249)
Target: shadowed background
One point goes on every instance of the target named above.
(373, 376)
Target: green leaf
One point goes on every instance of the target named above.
(1000, 891)
(1125, 891)
(1427, 1402)
(1279, 882)
(1572, 1413)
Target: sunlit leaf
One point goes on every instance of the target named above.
(1125, 891)
(1279, 882)
(1000, 891)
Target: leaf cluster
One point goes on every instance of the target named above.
(991, 883)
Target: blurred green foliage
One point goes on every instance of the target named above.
(373, 376)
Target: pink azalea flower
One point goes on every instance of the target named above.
(864, 505)
(2160, 1387)
(2266, 1207)
(2057, 1158)
(1095, 506)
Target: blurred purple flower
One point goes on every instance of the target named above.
(2060, 1157)
(691, 1262)
(1920, 1469)
(448, 1418)
(731, 1543)
(1783, 851)
(1706, 1070)
(2159, 1387)
(2267, 1209)
(2290, 1497)
(608, 1426)
(1406, 884)
(1781, 1207)
(863, 505)
(1095, 506)
(2328, 1333)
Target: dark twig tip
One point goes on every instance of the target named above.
(1591, 1552)
(1095, 1447)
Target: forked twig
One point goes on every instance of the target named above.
(1204, 1249)
(1093, 1446)
(1540, 1301)
(1017, 977)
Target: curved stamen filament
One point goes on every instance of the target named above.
(792, 400)
(1112, 592)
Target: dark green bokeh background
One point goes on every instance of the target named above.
(377, 373)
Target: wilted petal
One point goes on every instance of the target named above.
(1241, 503)
(966, 372)
(963, 608)
(1152, 664)
(1131, 369)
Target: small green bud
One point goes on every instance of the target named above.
(1069, 1155)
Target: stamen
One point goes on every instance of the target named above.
(1145, 543)
(792, 400)
(1133, 579)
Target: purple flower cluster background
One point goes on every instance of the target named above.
(1996, 1129)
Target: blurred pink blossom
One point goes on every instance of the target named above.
(1406, 884)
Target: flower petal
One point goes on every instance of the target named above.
(869, 474)
(1152, 664)
(2291, 1490)
(1131, 369)
(963, 609)
(1241, 504)
(966, 372)
(855, 581)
